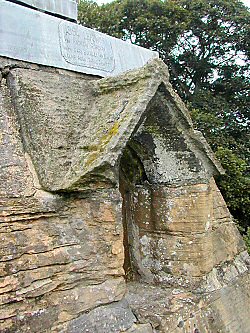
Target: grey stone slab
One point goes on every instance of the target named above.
(113, 318)
(65, 8)
(29, 35)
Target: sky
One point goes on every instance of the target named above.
(246, 2)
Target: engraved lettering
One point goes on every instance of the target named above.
(83, 47)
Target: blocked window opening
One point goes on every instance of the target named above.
(132, 173)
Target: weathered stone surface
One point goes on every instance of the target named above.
(140, 328)
(59, 255)
(113, 318)
(175, 231)
(74, 143)
(65, 8)
(103, 180)
(15, 174)
(181, 310)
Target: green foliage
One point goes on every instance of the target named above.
(205, 44)
(150, 23)
(235, 185)
(222, 122)
(246, 238)
(216, 37)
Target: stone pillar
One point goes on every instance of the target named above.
(61, 253)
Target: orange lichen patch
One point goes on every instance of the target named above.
(107, 214)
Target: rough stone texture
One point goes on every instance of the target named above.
(106, 180)
(111, 319)
(181, 310)
(74, 142)
(57, 265)
(60, 255)
(175, 232)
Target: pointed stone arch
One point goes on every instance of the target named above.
(75, 143)
(134, 122)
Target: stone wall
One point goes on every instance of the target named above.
(180, 233)
(61, 254)
(67, 227)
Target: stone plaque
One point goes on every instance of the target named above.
(47, 40)
(85, 47)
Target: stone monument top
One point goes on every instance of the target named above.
(66, 9)
(49, 40)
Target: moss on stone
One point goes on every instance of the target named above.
(132, 167)
(111, 133)
(104, 140)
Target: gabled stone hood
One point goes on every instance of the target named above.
(75, 130)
